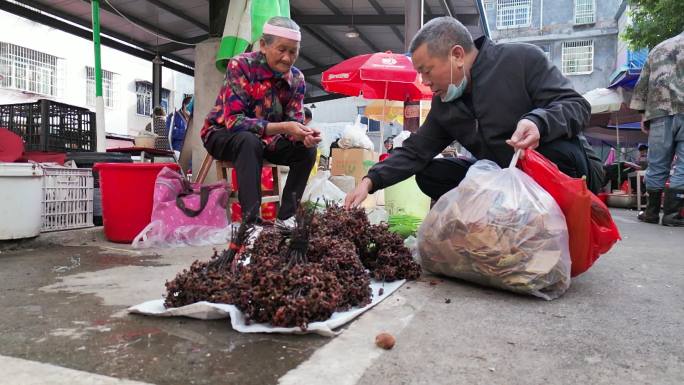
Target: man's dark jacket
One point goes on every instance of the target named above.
(510, 82)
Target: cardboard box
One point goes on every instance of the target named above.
(352, 161)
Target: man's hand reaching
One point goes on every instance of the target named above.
(359, 194)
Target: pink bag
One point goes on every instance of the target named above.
(185, 213)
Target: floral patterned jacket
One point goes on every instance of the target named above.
(253, 95)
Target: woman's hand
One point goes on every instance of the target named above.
(312, 139)
(308, 135)
(296, 130)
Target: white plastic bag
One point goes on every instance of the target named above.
(321, 189)
(154, 236)
(398, 140)
(377, 215)
(498, 228)
(346, 183)
(354, 136)
(330, 132)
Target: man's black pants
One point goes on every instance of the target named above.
(247, 152)
(442, 175)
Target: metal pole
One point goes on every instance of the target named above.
(99, 100)
(413, 21)
(157, 82)
(619, 150)
(384, 106)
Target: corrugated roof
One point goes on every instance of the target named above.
(171, 27)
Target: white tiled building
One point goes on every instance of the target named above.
(579, 36)
(39, 62)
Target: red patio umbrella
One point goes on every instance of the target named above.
(383, 75)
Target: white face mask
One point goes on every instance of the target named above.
(453, 91)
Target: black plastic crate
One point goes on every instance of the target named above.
(88, 159)
(47, 125)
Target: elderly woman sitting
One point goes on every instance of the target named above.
(258, 115)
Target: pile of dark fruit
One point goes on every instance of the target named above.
(300, 276)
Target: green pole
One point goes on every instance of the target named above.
(99, 101)
(96, 45)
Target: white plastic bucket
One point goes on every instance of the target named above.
(21, 194)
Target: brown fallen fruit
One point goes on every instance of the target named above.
(385, 341)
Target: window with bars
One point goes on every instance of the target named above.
(110, 87)
(143, 94)
(513, 13)
(585, 11)
(578, 57)
(25, 69)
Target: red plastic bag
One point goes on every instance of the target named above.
(591, 229)
(268, 210)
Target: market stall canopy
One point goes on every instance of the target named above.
(603, 100)
(622, 116)
(610, 136)
(332, 30)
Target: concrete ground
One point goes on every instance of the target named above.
(62, 314)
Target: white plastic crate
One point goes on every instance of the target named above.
(67, 198)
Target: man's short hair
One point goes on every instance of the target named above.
(307, 113)
(642, 146)
(441, 34)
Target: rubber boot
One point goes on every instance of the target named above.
(673, 207)
(652, 212)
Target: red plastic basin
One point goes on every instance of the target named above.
(127, 192)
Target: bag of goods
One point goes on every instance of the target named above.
(320, 189)
(498, 228)
(354, 136)
(591, 229)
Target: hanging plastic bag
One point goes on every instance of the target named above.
(321, 189)
(354, 136)
(591, 228)
(498, 228)
(185, 213)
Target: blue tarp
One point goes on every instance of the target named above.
(628, 74)
(628, 126)
(625, 79)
